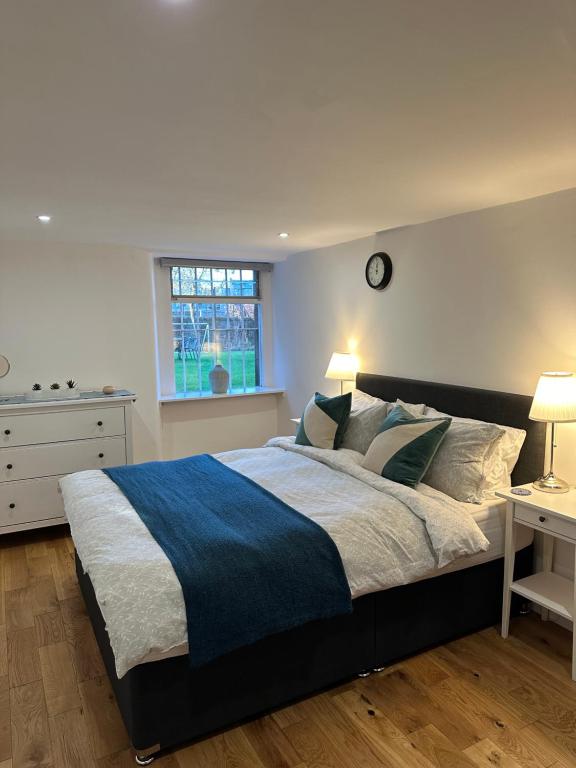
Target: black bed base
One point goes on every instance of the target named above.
(166, 703)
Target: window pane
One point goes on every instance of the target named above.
(248, 282)
(203, 283)
(219, 282)
(208, 281)
(208, 333)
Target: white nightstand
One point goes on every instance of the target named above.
(555, 516)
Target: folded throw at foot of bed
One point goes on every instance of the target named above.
(249, 565)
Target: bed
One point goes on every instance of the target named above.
(165, 702)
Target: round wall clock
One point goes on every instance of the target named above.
(379, 271)
(4, 366)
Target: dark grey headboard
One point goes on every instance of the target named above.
(469, 403)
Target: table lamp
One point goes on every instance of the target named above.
(554, 401)
(342, 366)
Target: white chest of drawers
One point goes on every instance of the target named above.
(42, 441)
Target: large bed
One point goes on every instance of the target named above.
(427, 599)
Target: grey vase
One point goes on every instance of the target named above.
(219, 380)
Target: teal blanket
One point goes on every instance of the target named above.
(249, 565)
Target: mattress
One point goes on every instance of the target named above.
(490, 517)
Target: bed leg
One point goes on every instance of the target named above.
(144, 759)
(146, 756)
(365, 673)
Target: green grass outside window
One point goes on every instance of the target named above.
(191, 383)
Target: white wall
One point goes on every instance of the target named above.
(88, 312)
(218, 425)
(485, 299)
(82, 312)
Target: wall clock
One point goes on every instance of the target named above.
(379, 271)
(4, 366)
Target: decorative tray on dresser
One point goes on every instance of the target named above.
(40, 441)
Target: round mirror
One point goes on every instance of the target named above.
(4, 366)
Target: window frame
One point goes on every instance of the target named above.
(199, 298)
(165, 298)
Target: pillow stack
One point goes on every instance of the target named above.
(410, 443)
(476, 459)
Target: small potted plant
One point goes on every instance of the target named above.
(55, 391)
(71, 389)
(36, 393)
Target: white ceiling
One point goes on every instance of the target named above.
(211, 125)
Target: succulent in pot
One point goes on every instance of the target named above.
(55, 385)
(71, 389)
(36, 392)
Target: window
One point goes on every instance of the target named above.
(216, 318)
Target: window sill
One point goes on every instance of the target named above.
(182, 397)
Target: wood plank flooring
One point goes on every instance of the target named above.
(478, 701)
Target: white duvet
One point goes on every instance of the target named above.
(387, 534)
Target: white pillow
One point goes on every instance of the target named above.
(464, 463)
(363, 426)
(361, 400)
(412, 408)
(500, 461)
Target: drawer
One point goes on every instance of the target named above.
(29, 501)
(545, 522)
(59, 426)
(60, 458)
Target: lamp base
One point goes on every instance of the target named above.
(551, 484)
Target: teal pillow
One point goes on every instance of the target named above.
(405, 446)
(324, 421)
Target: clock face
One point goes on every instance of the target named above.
(379, 271)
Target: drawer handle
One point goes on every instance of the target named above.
(6, 431)
(12, 505)
(100, 455)
(8, 466)
(100, 423)
(542, 519)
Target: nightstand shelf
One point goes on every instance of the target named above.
(550, 590)
(554, 517)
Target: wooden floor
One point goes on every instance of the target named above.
(479, 701)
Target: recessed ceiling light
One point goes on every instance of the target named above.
(283, 235)
(44, 218)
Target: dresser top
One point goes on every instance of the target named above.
(95, 397)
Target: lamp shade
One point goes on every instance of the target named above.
(343, 366)
(555, 397)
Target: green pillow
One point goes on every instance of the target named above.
(405, 446)
(324, 420)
